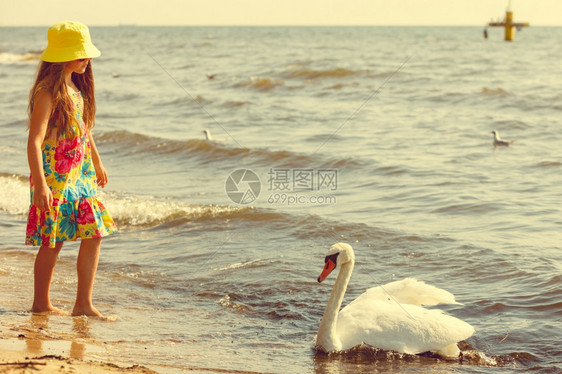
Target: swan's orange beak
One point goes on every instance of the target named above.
(330, 265)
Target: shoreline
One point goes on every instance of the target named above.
(14, 359)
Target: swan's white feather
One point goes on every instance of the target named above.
(404, 328)
(409, 291)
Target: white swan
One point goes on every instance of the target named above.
(397, 323)
(498, 142)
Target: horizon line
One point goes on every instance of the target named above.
(275, 25)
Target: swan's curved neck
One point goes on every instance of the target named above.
(327, 337)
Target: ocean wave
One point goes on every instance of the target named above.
(324, 138)
(238, 265)
(468, 208)
(391, 170)
(179, 101)
(495, 92)
(548, 164)
(339, 86)
(260, 83)
(14, 194)
(128, 211)
(235, 104)
(303, 72)
(209, 151)
(133, 211)
(449, 97)
(19, 58)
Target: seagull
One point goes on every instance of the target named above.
(210, 138)
(207, 134)
(499, 142)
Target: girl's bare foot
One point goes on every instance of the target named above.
(92, 312)
(89, 311)
(50, 310)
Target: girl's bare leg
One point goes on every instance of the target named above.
(44, 269)
(86, 267)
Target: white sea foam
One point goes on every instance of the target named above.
(14, 195)
(238, 265)
(135, 210)
(131, 210)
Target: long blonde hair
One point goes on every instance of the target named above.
(50, 76)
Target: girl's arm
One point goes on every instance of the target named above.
(42, 107)
(101, 173)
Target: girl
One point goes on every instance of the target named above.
(65, 165)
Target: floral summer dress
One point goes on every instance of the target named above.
(76, 212)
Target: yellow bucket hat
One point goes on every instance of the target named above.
(69, 41)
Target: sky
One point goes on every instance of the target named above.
(277, 12)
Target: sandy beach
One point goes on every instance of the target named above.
(30, 350)
(15, 360)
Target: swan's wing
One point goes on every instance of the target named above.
(407, 329)
(409, 291)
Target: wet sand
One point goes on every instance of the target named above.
(24, 361)
(29, 353)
